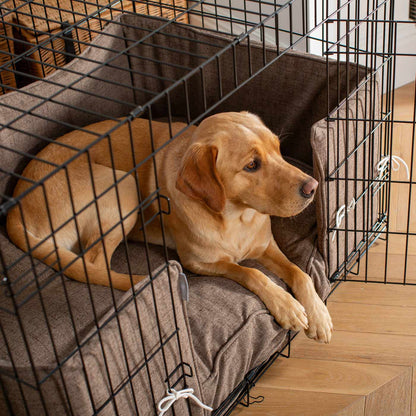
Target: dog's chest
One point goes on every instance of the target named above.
(247, 217)
(246, 234)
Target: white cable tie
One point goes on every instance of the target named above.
(173, 395)
(395, 165)
(341, 214)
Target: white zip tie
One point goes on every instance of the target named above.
(341, 214)
(395, 165)
(174, 395)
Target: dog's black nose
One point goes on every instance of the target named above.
(308, 188)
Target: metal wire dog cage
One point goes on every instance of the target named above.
(187, 61)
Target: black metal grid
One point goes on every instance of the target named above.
(270, 23)
(380, 52)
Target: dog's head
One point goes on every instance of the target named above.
(234, 156)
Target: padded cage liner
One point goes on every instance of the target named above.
(107, 366)
(230, 331)
(354, 149)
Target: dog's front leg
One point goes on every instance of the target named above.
(320, 323)
(287, 311)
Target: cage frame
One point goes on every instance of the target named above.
(351, 259)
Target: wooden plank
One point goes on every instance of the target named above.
(393, 398)
(403, 102)
(375, 294)
(354, 409)
(399, 203)
(402, 145)
(376, 264)
(328, 376)
(281, 402)
(362, 348)
(413, 393)
(397, 245)
(373, 318)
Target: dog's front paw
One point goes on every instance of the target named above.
(287, 311)
(320, 322)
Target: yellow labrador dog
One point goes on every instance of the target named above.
(224, 179)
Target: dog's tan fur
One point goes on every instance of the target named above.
(220, 212)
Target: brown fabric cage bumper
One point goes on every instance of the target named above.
(225, 330)
(32, 23)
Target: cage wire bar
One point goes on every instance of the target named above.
(390, 184)
(350, 31)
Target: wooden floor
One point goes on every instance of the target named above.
(369, 368)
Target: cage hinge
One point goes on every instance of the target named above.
(5, 207)
(137, 111)
(240, 37)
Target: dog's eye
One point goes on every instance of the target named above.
(252, 166)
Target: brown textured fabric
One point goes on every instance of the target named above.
(338, 139)
(295, 101)
(289, 101)
(21, 138)
(231, 331)
(46, 16)
(224, 320)
(103, 360)
(39, 22)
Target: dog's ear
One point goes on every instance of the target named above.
(198, 177)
